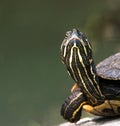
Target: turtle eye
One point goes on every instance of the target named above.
(84, 38)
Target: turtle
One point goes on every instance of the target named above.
(96, 88)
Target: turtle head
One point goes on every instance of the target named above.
(76, 54)
(75, 41)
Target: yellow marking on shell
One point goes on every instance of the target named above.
(115, 104)
(99, 109)
(74, 113)
(90, 109)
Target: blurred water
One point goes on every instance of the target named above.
(33, 81)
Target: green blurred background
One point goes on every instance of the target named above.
(33, 81)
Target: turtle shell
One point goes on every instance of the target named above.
(110, 68)
(108, 72)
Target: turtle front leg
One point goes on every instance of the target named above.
(72, 107)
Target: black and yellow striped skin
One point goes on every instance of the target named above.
(76, 54)
(108, 108)
(72, 107)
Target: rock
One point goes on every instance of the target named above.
(95, 121)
